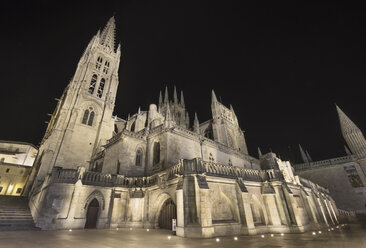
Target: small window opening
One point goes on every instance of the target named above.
(106, 67)
(101, 88)
(138, 157)
(99, 63)
(88, 117)
(93, 81)
(211, 158)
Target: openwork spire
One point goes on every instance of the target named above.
(108, 34)
(346, 124)
(352, 135)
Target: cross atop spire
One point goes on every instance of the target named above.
(108, 34)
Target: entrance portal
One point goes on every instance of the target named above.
(92, 214)
(167, 213)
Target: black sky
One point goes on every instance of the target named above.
(281, 66)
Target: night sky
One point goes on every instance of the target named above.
(281, 66)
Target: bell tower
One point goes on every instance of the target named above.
(82, 120)
(225, 126)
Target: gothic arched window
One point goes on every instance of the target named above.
(208, 133)
(91, 118)
(101, 88)
(156, 153)
(138, 157)
(88, 117)
(85, 117)
(99, 63)
(93, 81)
(106, 67)
(133, 126)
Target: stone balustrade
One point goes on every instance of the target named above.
(322, 163)
(60, 175)
(184, 167)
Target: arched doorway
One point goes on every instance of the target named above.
(92, 214)
(167, 213)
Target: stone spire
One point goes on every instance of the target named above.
(182, 98)
(168, 116)
(108, 34)
(213, 97)
(175, 97)
(187, 120)
(259, 152)
(348, 152)
(352, 134)
(303, 155)
(196, 124)
(232, 109)
(160, 100)
(308, 155)
(166, 96)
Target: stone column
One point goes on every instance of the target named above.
(245, 210)
(204, 207)
(281, 204)
(268, 194)
(180, 208)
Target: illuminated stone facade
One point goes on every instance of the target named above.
(98, 170)
(343, 176)
(16, 161)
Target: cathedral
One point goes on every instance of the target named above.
(153, 168)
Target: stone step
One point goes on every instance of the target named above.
(16, 217)
(16, 222)
(15, 214)
(18, 228)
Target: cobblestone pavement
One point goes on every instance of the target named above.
(345, 236)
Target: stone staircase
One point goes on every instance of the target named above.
(15, 214)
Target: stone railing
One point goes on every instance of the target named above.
(99, 179)
(322, 163)
(60, 175)
(184, 167)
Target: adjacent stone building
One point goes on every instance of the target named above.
(95, 170)
(344, 176)
(16, 161)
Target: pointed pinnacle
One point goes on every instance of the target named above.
(259, 152)
(160, 99)
(345, 122)
(303, 155)
(175, 97)
(213, 97)
(108, 34)
(181, 98)
(167, 113)
(166, 96)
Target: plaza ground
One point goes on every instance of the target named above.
(345, 236)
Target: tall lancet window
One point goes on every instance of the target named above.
(85, 116)
(93, 81)
(106, 67)
(138, 157)
(99, 63)
(156, 153)
(88, 117)
(101, 88)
